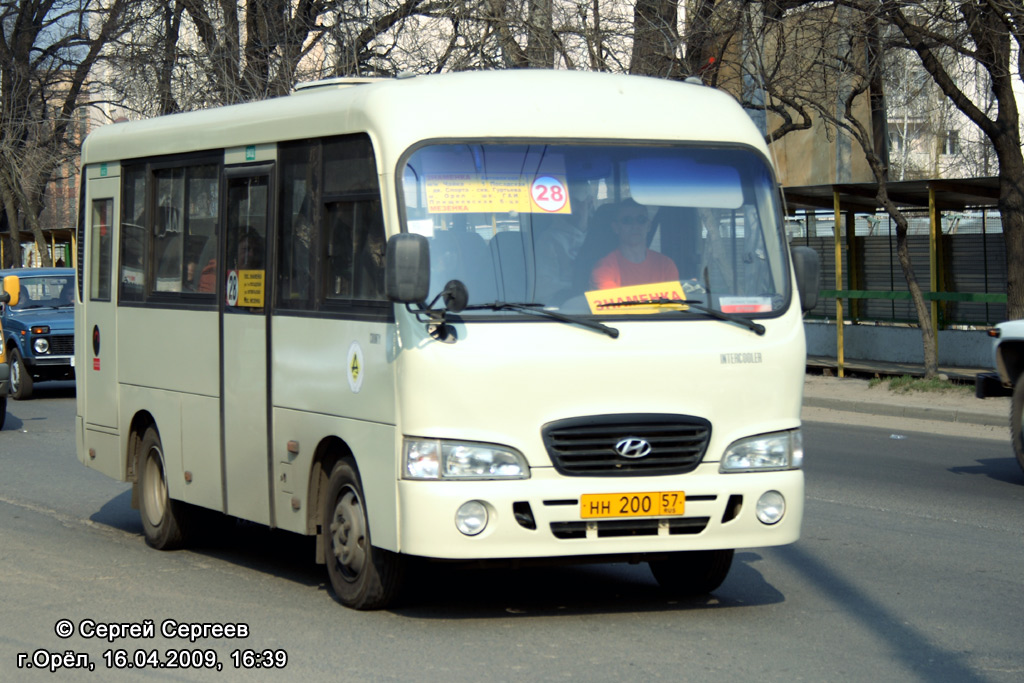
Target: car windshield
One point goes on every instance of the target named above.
(52, 291)
(578, 228)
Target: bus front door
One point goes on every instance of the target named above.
(244, 345)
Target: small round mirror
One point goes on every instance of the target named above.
(455, 296)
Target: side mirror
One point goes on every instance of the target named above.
(407, 277)
(11, 291)
(807, 265)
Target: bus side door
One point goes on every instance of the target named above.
(245, 389)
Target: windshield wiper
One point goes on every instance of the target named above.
(757, 328)
(539, 310)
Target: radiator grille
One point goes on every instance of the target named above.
(62, 345)
(587, 446)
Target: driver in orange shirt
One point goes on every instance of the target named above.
(632, 263)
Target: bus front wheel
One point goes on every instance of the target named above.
(163, 519)
(692, 573)
(363, 577)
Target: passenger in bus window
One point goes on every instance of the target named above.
(557, 241)
(370, 258)
(633, 263)
(250, 250)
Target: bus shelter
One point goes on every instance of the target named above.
(966, 269)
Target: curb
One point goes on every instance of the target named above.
(888, 410)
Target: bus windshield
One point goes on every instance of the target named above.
(599, 229)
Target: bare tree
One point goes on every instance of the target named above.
(47, 50)
(820, 61)
(948, 35)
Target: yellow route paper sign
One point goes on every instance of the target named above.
(605, 300)
(474, 193)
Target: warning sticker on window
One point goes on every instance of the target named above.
(634, 299)
(745, 304)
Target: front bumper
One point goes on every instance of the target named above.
(50, 367)
(719, 514)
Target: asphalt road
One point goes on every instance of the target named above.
(909, 569)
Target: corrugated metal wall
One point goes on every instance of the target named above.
(972, 259)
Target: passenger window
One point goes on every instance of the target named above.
(332, 224)
(297, 248)
(169, 246)
(168, 230)
(355, 251)
(133, 234)
(99, 264)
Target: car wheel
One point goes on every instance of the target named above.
(692, 573)
(3, 411)
(163, 519)
(363, 577)
(1017, 420)
(21, 378)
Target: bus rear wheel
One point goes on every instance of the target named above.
(692, 573)
(163, 519)
(363, 577)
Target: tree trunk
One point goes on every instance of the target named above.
(1011, 209)
(540, 44)
(922, 307)
(655, 37)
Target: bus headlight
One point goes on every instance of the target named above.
(439, 459)
(778, 451)
(41, 346)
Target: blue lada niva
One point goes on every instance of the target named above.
(39, 331)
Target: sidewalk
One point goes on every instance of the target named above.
(853, 394)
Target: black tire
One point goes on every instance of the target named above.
(164, 521)
(692, 573)
(3, 411)
(363, 577)
(21, 378)
(1017, 420)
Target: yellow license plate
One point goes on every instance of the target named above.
(655, 504)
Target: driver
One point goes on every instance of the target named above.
(633, 263)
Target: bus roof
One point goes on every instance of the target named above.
(397, 113)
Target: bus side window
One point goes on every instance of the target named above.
(133, 234)
(353, 221)
(338, 244)
(297, 236)
(369, 252)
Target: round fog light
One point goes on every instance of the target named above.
(771, 506)
(471, 517)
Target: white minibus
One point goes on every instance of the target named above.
(488, 316)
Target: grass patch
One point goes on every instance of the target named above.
(905, 384)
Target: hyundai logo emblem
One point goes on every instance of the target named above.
(633, 447)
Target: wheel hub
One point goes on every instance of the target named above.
(154, 490)
(348, 534)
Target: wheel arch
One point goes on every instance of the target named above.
(328, 453)
(1010, 360)
(141, 421)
